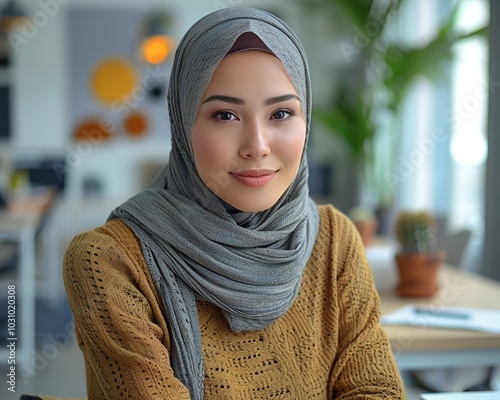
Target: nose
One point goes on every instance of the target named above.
(255, 143)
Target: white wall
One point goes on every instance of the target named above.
(39, 75)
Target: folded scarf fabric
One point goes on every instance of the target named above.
(196, 246)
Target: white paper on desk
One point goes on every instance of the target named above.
(478, 319)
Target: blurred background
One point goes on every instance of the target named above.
(405, 111)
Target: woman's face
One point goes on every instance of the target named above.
(249, 133)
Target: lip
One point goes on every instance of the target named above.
(254, 177)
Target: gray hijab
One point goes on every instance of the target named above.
(199, 248)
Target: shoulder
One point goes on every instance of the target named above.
(336, 226)
(105, 238)
(112, 246)
(338, 245)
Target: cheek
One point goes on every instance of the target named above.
(294, 148)
(210, 153)
(212, 159)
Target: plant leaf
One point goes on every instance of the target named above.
(349, 118)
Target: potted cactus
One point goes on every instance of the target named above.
(418, 260)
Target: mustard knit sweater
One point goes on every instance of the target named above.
(329, 344)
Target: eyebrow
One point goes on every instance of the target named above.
(226, 99)
(238, 101)
(279, 99)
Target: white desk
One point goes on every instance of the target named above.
(461, 396)
(21, 222)
(425, 347)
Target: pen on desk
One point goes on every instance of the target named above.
(442, 313)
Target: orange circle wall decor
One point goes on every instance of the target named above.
(156, 49)
(136, 124)
(92, 130)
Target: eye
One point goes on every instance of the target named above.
(282, 114)
(223, 115)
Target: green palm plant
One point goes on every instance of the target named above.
(355, 113)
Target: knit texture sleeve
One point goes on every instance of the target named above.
(365, 367)
(118, 322)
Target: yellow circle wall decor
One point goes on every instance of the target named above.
(113, 79)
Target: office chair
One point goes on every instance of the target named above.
(456, 245)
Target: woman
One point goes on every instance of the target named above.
(223, 280)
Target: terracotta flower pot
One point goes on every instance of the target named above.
(418, 273)
(367, 229)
